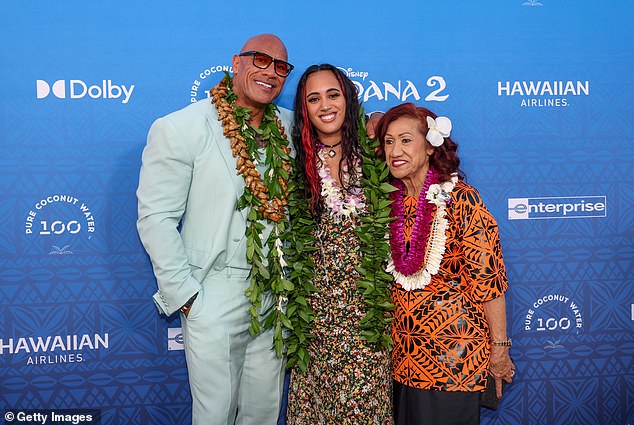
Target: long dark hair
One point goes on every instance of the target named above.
(444, 159)
(305, 137)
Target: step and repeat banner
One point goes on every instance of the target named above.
(541, 96)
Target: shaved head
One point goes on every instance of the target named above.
(256, 87)
(256, 43)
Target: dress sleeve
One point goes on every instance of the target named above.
(484, 264)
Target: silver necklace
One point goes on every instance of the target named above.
(331, 152)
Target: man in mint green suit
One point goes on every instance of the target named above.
(195, 237)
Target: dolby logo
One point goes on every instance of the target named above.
(77, 89)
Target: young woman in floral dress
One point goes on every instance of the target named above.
(348, 379)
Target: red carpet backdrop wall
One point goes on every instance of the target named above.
(541, 95)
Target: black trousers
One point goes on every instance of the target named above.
(413, 406)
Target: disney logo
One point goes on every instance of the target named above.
(351, 74)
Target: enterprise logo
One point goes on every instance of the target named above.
(78, 89)
(550, 208)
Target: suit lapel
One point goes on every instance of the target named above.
(224, 147)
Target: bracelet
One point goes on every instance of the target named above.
(506, 343)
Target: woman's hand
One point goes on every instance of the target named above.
(501, 367)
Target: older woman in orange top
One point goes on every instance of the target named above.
(449, 326)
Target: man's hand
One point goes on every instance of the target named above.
(373, 120)
(188, 305)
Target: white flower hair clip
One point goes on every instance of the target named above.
(439, 128)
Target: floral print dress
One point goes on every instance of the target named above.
(347, 381)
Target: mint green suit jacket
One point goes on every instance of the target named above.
(187, 194)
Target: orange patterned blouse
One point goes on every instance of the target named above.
(441, 336)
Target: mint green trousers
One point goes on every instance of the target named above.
(235, 378)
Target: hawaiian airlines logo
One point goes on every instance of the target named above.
(54, 349)
(552, 207)
(544, 93)
(78, 89)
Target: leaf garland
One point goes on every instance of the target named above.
(301, 243)
(266, 199)
(375, 247)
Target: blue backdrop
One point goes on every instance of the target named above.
(541, 96)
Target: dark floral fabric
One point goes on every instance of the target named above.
(348, 382)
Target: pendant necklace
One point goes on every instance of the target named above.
(331, 152)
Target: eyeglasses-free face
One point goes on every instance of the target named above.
(263, 61)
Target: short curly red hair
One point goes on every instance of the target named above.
(444, 159)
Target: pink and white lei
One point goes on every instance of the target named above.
(340, 206)
(410, 270)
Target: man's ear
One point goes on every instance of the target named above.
(235, 63)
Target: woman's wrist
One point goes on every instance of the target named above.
(507, 342)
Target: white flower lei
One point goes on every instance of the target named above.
(439, 195)
(339, 206)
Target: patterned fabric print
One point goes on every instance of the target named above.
(440, 332)
(347, 382)
(409, 211)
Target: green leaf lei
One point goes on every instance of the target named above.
(300, 242)
(266, 277)
(374, 283)
(375, 247)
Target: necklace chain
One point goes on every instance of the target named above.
(331, 151)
